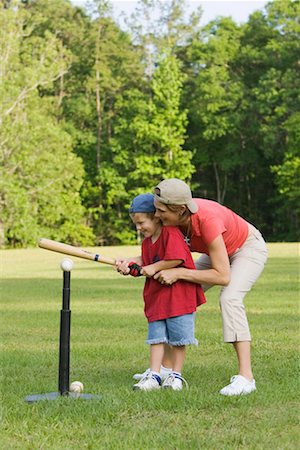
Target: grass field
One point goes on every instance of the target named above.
(107, 347)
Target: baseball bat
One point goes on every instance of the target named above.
(66, 249)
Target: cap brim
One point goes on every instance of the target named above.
(192, 206)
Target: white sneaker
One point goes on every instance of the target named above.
(139, 376)
(164, 373)
(239, 385)
(149, 382)
(174, 381)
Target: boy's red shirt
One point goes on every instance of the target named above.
(182, 297)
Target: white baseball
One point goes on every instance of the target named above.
(76, 387)
(66, 265)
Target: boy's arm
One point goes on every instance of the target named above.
(152, 269)
(136, 259)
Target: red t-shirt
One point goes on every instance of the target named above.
(182, 297)
(213, 219)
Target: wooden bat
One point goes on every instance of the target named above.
(66, 249)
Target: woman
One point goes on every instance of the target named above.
(233, 256)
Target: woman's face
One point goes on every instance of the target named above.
(168, 218)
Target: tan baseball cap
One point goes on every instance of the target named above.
(175, 192)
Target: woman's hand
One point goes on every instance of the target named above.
(168, 276)
(149, 270)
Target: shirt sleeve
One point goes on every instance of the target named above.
(212, 228)
(175, 247)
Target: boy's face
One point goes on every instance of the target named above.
(145, 224)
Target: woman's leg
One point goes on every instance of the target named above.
(243, 351)
(246, 266)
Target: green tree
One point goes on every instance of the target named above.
(272, 89)
(40, 176)
(150, 134)
(215, 99)
(241, 92)
(114, 67)
(287, 179)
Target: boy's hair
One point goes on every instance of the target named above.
(151, 215)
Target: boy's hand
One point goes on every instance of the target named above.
(129, 268)
(135, 270)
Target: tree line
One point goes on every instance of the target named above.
(94, 113)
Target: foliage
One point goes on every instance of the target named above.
(40, 176)
(244, 91)
(93, 114)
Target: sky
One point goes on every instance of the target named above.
(239, 10)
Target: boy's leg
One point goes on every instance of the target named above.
(181, 331)
(167, 361)
(175, 380)
(178, 358)
(156, 356)
(157, 337)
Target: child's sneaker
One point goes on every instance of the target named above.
(174, 381)
(164, 373)
(150, 382)
(239, 385)
(139, 376)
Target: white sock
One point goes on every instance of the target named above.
(165, 369)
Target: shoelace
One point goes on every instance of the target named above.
(146, 377)
(146, 373)
(172, 377)
(232, 379)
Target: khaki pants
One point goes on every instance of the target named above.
(246, 265)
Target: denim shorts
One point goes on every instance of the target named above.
(176, 331)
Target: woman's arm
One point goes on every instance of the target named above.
(218, 274)
(152, 269)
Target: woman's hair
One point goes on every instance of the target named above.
(183, 215)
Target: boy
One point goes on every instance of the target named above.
(169, 309)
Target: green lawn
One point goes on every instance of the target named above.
(107, 347)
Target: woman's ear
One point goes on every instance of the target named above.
(182, 210)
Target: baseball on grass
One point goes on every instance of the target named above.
(76, 387)
(66, 265)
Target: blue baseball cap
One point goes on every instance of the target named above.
(143, 203)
